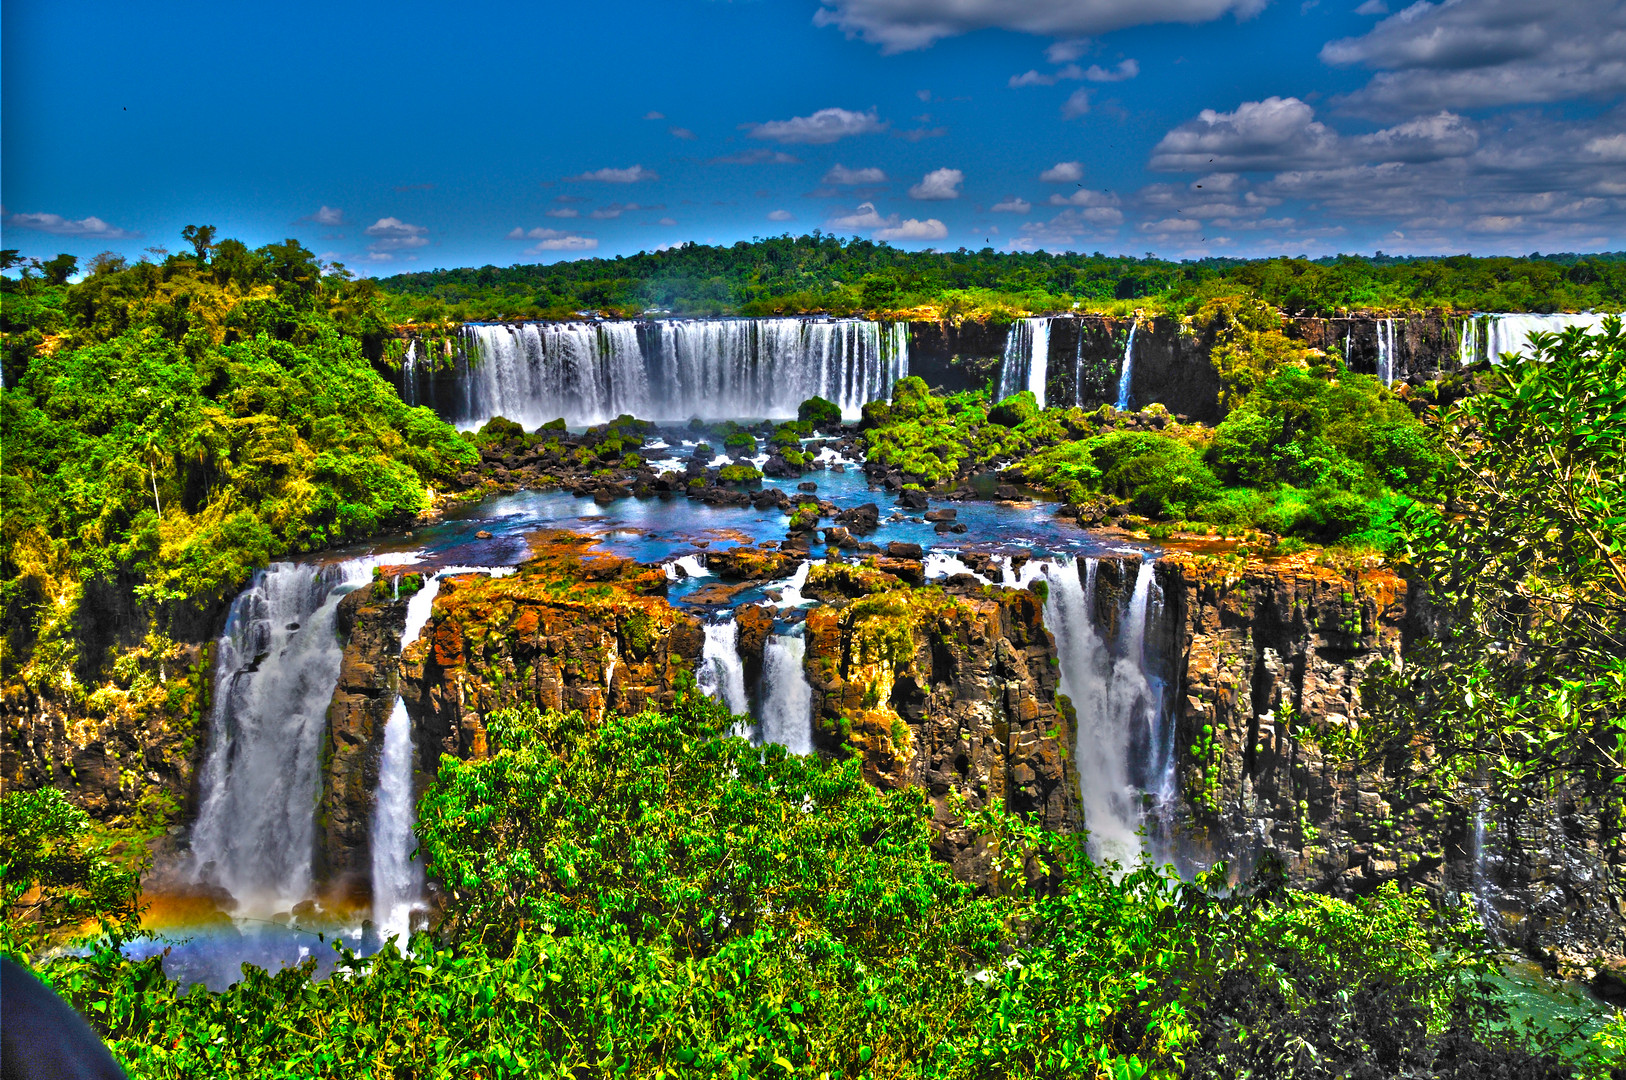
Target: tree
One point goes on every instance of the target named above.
(53, 876)
(201, 237)
(57, 271)
(1526, 565)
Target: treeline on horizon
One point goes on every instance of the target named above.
(823, 273)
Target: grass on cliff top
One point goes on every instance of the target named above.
(650, 897)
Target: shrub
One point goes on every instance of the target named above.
(738, 474)
(499, 429)
(1016, 409)
(740, 440)
(1158, 475)
(819, 414)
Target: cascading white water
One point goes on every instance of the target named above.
(1127, 373)
(686, 566)
(787, 697)
(721, 675)
(1027, 358)
(409, 373)
(1124, 737)
(767, 367)
(277, 664)
(533, 372)
(1386, 351)
(1468, 342)
(397, 877)
(1511, 333)
(790, 590)
(592, 372)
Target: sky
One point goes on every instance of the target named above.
(408, 136)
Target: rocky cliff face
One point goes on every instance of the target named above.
(371, 621)
(1269, 660)
(567, 630)
(1085, 357)
(129, 751)
(953, 690)
(1171, 356)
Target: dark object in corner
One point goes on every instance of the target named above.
(42, 1038)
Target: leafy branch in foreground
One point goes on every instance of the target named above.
(649, 897)
(1525, 567)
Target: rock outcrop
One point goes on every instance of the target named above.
(371, 620)
(950, 690)
(570, 629)
(1270, 658)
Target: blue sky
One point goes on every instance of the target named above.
(414, 135)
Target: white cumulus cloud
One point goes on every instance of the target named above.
(393, 234)
(937, 185)
(1126, 69)
(781, 215)
(912, 229)
(1063, 172)
(824, 126)
(1458, 54)
(1013, 205)
(840, 174)
(61, 226)
(1077, 104)
(634, 175)
(901, 25)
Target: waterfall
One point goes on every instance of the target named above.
(1126, 374)
(1078, 369)
(1125, 734)
(767, 367)
(397, 878)
(533, 372)
(1511, 333)
(686, 566)
(722, 675)
(1386, 351)
(1027, 358)
(277, 664)
(787, 697)
(592, 372)
(1468, 343)
(409, 373)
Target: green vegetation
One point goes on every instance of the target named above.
(1527, 568)
(1308, 449)
(168, 428)
(823, 273)
(648, 897)
(816, 412)
(54, 875)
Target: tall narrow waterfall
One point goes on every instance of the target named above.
(278, 662)
(1386, 351)
(1125, 735)
(787, 697)
(722, 676)
(1468, 343)
(397, 878)
(714, 368)
(1126, 373)
(1027, 358)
